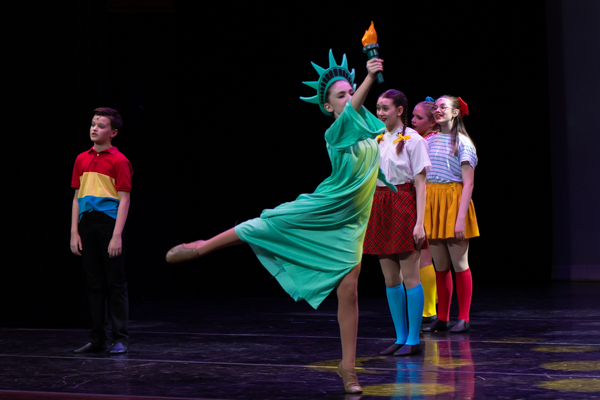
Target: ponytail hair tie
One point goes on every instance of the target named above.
(464, 108)
(429, 98)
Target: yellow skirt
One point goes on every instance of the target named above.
(441, 210)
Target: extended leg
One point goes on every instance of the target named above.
(190, 251)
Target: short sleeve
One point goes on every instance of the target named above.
(77, 170)
(428, 141)
(419, 156)
(466, 151)
(123, 173)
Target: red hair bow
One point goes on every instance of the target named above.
(464, 108)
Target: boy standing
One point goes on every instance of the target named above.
(102, 183)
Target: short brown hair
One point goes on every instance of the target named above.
(116, 122)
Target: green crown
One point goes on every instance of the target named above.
(326, 78)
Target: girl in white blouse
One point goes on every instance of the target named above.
(395, 231)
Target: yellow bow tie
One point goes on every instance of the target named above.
(400, 137)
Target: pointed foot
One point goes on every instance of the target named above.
(351, 384)
(181, 254)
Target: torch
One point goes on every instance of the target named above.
(371, 47)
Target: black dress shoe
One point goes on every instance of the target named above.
(390, 350)
(409, 350)
(119, 348)
(91, 348)
(437, 325)
(460, 327)
(428, 320)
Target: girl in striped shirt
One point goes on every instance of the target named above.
(450, 219)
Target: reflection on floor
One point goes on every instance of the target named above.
(525, 343)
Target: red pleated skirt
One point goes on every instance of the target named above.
(392, 221)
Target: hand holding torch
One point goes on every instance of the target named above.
(371, 48)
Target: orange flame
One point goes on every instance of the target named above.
(370, 36)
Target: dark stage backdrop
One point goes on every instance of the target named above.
(573, 64)
(216, 133)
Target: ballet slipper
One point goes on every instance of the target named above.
(351, 384)
(409, 350)
(391, 350)
(460, 327)
(437, 326)
(428, 320)
(180, 254)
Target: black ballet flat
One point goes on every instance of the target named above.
(428, 320)
(409, 350)
(91, 348)
(461, 326)
(390, 350)
(437, 326)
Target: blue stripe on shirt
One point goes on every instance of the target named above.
(446, 167)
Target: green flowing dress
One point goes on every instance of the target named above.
(310, 244)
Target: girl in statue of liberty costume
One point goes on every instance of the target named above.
(314, 244)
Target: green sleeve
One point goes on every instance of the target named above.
(351, 127)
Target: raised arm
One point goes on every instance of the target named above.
(374, 65)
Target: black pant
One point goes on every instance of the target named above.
(105, 278)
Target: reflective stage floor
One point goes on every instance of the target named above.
(525, 343)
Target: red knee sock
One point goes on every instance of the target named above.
(464, 292)
(443, 281)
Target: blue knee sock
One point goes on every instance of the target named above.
(415, 299)
(397, 302)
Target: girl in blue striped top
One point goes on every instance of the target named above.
(450, 219)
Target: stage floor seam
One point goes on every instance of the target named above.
(267, 365)
(427, 337)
